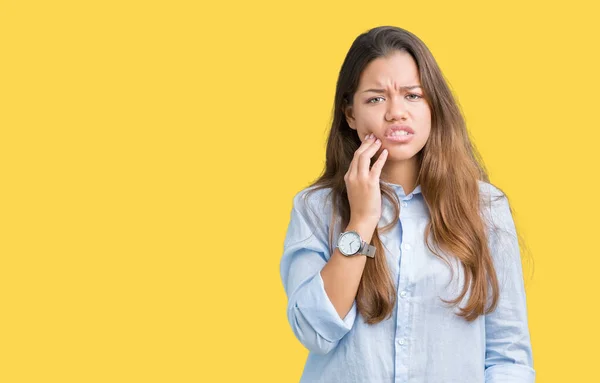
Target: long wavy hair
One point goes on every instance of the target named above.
(449, 170)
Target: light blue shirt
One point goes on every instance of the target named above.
(424, 340)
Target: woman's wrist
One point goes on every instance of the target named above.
(363, 228)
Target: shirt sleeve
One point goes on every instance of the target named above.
(508, 346)
(312, 316)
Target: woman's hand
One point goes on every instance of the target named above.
(362, 184)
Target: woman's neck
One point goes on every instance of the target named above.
(403, 173)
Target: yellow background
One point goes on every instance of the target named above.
(150, 151)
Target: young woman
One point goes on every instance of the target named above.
(401, 263)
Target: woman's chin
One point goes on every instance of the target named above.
(400, 154)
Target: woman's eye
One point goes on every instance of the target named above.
(413, 95)
(374, 98)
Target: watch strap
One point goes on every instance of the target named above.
(366, 249)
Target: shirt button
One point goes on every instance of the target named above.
(406, 246)
(401, 341)
(404, 204)
(403, 294)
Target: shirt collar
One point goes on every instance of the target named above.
(400, 189)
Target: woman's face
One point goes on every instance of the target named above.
(386, 101)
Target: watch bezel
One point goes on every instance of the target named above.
(350, 232)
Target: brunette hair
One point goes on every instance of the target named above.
(450, 169)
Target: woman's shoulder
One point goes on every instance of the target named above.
(311, 214)
(496, 207)
(315, 204)
(489, 191)
(314, 198)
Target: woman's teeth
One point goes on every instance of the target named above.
(400, 133)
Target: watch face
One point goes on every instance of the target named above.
(349, 243)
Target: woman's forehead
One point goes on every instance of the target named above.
(396, 72)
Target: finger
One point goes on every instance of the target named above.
(365, 158)
(378, 165)
(368, 141)
(353, 168)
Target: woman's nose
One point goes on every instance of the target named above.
(396, 110)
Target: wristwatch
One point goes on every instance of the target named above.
(350, 243)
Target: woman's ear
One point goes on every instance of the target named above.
(349, 117)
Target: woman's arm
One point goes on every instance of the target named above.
(508, 346)
(314, 319)
(341, 275)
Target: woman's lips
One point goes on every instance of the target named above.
(400, 139)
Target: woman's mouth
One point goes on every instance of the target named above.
(400, 136)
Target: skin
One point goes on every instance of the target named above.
(373, 112)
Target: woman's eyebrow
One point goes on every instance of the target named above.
(408, 87)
